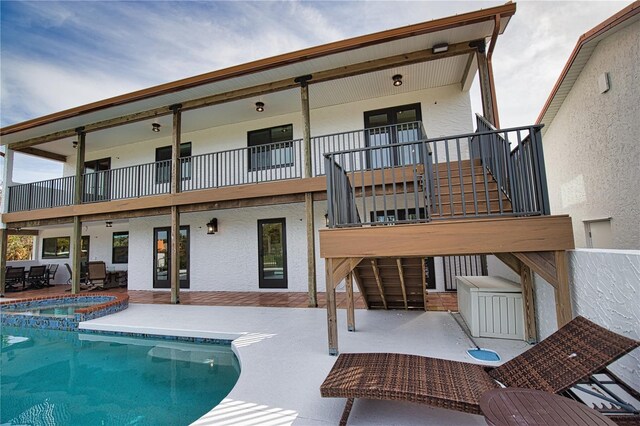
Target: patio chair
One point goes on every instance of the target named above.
(37, 276)
(14, 275)
(83, 277)
(51, 273)
(97, 276)
(571, 354)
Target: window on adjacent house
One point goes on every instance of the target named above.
(55, 248)
(163, 158)
(120, 252)
(270, 148)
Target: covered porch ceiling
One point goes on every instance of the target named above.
(344, 71)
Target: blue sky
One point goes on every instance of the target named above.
(58, 55)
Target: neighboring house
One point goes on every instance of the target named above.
(219, 182)
(592, 135)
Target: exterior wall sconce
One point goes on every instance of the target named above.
(326, 219)
(75, 144)
(397, 80)
(440, 48)
(109, 224)
(212, 226)
(155, 127)
(260, 106)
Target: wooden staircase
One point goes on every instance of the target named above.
(392, 283)
(457, 183)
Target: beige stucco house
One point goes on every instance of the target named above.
(592, 135)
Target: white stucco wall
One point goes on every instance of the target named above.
(605, 288)
(445, 111)
(592, 147)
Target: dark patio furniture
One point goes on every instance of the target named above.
(97, 276)
(14, 275)
(571, 354)
(524, 407)
(83, 277)
(37, 276)
(51, 273)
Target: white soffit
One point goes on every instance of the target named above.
(396, 47)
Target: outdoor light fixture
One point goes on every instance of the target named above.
(212, 226)
(326, 219)
(397, 80)
(440, 48)
(109, 224)
(75, 144)
(155, 127)
(259, 106)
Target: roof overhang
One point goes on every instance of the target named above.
(360, 55)
(580, 56)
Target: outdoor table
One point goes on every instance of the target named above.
(516, 406)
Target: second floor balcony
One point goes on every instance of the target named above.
(382, 174)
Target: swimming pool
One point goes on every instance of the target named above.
(71, 378)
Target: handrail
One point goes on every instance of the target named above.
(354, 139)
(461, 176)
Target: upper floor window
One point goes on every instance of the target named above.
(163, 158)
(269, 148)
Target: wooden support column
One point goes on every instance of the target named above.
(402, 286)
(376, 274)
(332, 320)
(562, 292)
(3, 258)
(528, 302)
(76, 238)
(175, 213)
(308, 197)
(351, 314)
(484, 75)
(424, 282)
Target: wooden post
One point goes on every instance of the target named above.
(528, 301)
(484, 76)
(351, 314)
(308, 197)
(562, 292)
(3, 258)
(332, 323)
(175, 213)
(424, 283)
(76, 238)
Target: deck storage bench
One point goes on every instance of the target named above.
(491, 306)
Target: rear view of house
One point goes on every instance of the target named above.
(358, 159)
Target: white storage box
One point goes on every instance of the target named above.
(491, 306)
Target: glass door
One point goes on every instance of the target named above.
(389, 126)
(272, 253)
(97, 180)
(162, 257)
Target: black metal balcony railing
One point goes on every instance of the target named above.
(383, 135)
(471, 175)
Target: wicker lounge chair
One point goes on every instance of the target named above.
(573, 353)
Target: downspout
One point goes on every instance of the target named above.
(494, 39)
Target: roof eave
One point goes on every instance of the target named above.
(615, 20)
(506, 10)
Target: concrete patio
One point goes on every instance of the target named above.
(284, 359)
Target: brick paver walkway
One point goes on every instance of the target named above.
(435, 301)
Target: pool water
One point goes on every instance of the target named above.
(70, 378)
(484, 354)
